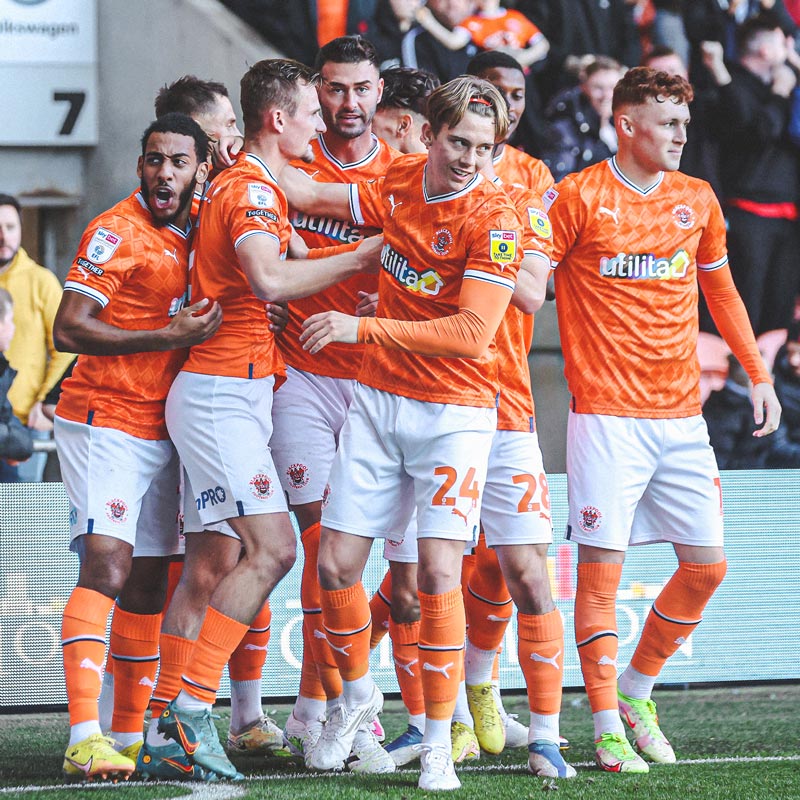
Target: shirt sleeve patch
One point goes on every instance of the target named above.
(540, 223)
(502, 246)
(260, 195)
(102, 246)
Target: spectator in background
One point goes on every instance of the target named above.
(15, 439)
(759, 174)
(392, 20)
(422, 50)
(784, 452)
(401, 110)
(668, 28)
(492, 27)
(581, 125)
(37, 293)
(578, 27)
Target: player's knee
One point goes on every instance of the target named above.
(405, 604)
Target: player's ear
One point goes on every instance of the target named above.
(380, 89)
(201, 176)
(404, 125)
(426, 137)
(139, 165)
(625, 124)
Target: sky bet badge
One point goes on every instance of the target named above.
(102, 246)
(502, 246)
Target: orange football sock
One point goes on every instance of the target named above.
(379, 608)
(174, 572)
(487, 602)
(174, 655)
(676, 612)
(441, 650)
(134, 651)
(496, 666)
(405, 651)
(83, 641)
(541, 656)
(345, 614)
(596, 631)
(218, 638)
(318, 653)
(247, 660)
(310, 684)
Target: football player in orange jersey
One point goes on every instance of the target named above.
(123, 311)
(419, 428)
(633, 238)
(219, 407)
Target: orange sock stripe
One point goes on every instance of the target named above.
(441, 650)
(405, 652)
(133, 650)
(310, 684)
(174, 655)
(345, 615)
(309, 581)
(379, 608)
(247, 660)
(496, 666)
(218, 638)
(83, 641)
(676, 612)
(467, 568)
(174, 572)
(596, 631)
(541, 657)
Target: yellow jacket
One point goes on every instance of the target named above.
(36, 293)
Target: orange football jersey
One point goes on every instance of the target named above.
(335, 360)
(431, 245)
(626, 288)
(509, 28)
(514, 167)
(242, 201)
(515, 411)
(137, 272)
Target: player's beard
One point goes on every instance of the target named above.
(184, 198)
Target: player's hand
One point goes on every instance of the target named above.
(297, 247)
(224, 150)
(193, 324)
(37, 420)
(327, 327)
(783, 80)
(766, 409)
(278, 316)
(367, 304)
(368, 254)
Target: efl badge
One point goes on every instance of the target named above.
(548, 198)
(683, 216)
(260, 195)
(102, 246)
(298, 475)
(540, 223)
(117, 510)
(589, 519)
(442, 242)
(502, 246)
(261, 486)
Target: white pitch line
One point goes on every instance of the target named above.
(229, 791)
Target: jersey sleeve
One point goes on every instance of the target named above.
(109, 251)
(712, 252)
(567, 216)
(254, 208)
(495, 248)
(367, 204)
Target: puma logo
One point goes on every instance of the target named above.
(460, 514)
(406, 667)
(145, 681)
(394, 205)
(172, 254)
(605, 661)
(613, 214)
(343, 650)
(249, 646)
(544, 660)
(434, 668)
(87, 663)
(494, 618)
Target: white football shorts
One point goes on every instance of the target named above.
(121, 486)
(636, 481)
(397, 454)
(221, 427)
(307, 414)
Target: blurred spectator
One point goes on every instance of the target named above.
(578, 28)
(581, 125)
(492, 27)
(300, 27)
(421, 50)
(729, 417)
(759, 175)
(391, 21)
(668, 27)
(16, 443)
(37, 293)
(402, 108)
(785, 445)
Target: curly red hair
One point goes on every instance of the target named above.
(642, 83)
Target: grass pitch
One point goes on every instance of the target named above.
(731, 743)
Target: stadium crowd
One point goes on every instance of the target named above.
(329, 314)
